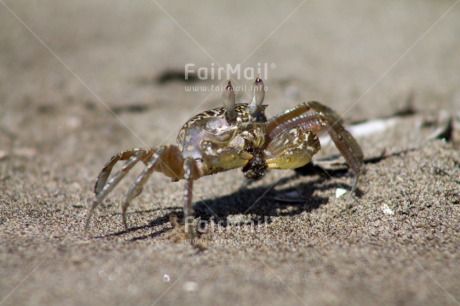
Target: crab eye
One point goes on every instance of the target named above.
(255, 107)
(228, 98)
(259, 92)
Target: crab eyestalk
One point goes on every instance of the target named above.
(228, 98)
(256, 109)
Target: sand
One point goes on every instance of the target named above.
(81, 81)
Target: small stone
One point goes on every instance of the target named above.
(340, 192)
(387, 210)
(166, 278)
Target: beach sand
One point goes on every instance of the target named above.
(82, 80)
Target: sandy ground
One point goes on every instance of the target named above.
(83, 80)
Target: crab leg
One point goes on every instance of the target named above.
(105, 172)
(101, 192)
(347, 145)
(191, 172)
(301, 109)
(286, 116)
(344, 141)
(324, 118)
(136, 188)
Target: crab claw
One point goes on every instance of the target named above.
(256, 109)
(228, 98)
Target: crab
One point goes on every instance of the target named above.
(229, 137)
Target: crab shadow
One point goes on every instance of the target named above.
(261, 202)
(258, 205)
(274, 200)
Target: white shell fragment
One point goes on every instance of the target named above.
(387, 210)
(365, 128)
(166, 278)
(340, 192)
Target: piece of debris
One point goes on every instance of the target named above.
(445, 129)
(387, 210)
(365, 128)
(173, 219)
(340, 192)
(166, 278)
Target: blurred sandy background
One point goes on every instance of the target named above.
(83, 80)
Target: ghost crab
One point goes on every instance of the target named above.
(229, 137)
